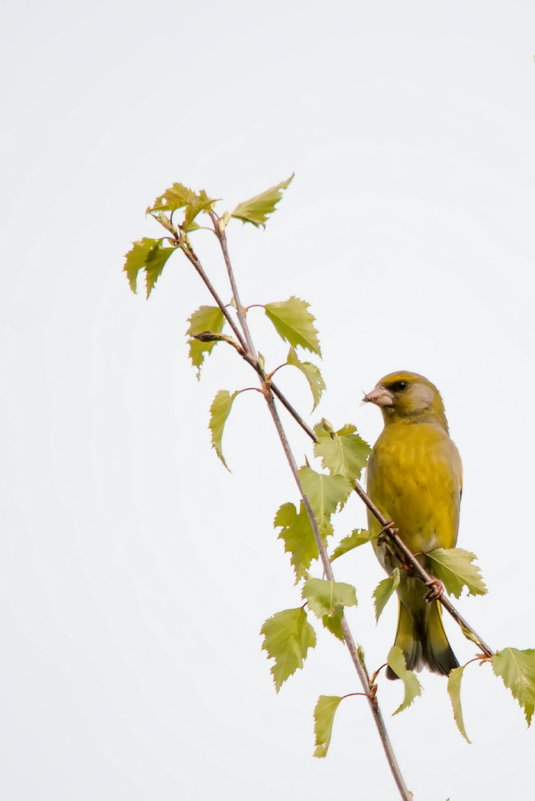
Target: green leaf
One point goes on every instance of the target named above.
(384, 590)
(297, 536)
(146, 254)
(136, 258)
(341, 452)
(325, 494)
(358, 537)
(454, 691)
(256, 209)
(219, 412)
(201, 202)
(517, 670)
(333, 623)
(294, 323)
(396, 660)
(324, 713)
(154, 265)
(179, 196)
(205, 318)
(325, 597)
(312, 375)
(454, 567)
(176, 197)
(287, 637)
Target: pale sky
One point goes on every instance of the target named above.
(135, 571)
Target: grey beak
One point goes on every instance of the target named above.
(380, 396)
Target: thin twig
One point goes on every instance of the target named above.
(222, 239)
(348, 637)
(193, 258)
(295, 414)
(249, 355)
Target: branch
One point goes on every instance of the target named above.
(368, 687)
(222, 239)
(268, 389)
(193, 258)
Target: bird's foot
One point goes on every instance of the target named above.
(390, 527)
(436, 591)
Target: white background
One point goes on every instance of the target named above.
(135, 571)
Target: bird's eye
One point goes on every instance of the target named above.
(397, 386)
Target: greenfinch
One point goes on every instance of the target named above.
(414, 477)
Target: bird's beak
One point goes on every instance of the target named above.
(380, 396)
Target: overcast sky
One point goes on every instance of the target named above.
(135, 571)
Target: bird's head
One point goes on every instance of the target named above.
(409, 397)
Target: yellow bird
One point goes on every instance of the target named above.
(414, 476)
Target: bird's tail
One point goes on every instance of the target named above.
(422, 639)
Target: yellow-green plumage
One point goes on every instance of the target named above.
(415, 478)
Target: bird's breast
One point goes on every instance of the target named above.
(414, 476)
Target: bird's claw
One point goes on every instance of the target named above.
(390, 527)
(436, 590)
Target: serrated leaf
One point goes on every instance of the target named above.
(325, 494)
(312, 375)
(517, 671)
(256, 209)
(136, 258)
(297, 536)
(325, 597)
(219, 412)
(454, 567)
(324, 713)
(294, 323)
(205, 318)
(176, 197)
(146, 254)
(384, 591)
(396, 660)
(154, 265)
(333, 623)
(454, 692)
(342, 452)
(201, 202)
(287, 637)
(358, 536)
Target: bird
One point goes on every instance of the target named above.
(414, 477)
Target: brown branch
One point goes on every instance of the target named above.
(193, 258)
(348, 637)
(222, 239)
(248, 352)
